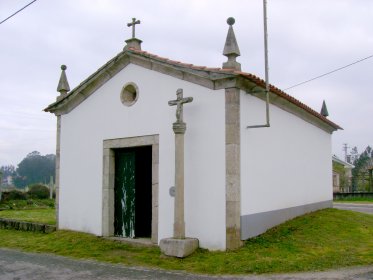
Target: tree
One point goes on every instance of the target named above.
(35, 168)
(360, 173)
(354, 155)
(8, 170)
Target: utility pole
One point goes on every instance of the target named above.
(345, 148)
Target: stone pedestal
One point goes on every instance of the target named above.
(133, 43)
(179, 248)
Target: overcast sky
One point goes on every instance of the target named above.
(306, 38)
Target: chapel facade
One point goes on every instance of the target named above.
(116, 151)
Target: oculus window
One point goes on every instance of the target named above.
(129, 94)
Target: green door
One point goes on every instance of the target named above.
(124, 188)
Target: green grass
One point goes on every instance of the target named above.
(27, 204)
(44, 216)
(355, 200)
(322, 240)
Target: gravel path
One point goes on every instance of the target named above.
(16, 265)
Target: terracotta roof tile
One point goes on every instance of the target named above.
(226, 70)
(249, 76)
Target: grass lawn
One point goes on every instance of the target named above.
(27, 204)
(44, 216)
(321, 240)
(355, 200)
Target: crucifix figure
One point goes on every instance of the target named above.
(133, 23)
(179, 102)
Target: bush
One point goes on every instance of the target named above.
(38, 191)
(27, 204)
(14, 195)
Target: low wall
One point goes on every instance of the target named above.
(26, 226)
(353, 195)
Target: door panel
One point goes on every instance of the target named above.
(143, 217)
(125, 191)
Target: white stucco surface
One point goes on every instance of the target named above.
(103, 116)
(286, 165)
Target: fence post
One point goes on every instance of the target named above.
(51, 187)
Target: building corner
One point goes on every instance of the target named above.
(232, 169)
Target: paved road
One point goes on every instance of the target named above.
(359, 207)
(15, 265)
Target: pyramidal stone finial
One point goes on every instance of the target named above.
(231, 49)
(63, 85)
(324, 110)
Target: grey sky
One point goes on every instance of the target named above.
(306, 38)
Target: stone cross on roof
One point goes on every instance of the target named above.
(133, 23)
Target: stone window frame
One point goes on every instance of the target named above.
(109, 147)
(124, 91)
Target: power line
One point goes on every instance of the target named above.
(12, 15)
(328, 73)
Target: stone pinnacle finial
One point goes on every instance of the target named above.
(231, 21)
(63, 85)
(324, 110)
(133, 42)
(231, 49)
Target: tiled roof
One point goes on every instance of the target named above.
(251, 77)
(203, 71)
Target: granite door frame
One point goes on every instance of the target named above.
(109, 147)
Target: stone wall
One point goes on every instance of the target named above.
(26, 226)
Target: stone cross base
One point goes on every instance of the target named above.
(133, 43)
(179, 248)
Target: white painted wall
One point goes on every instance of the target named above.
(285, 165)
(103, 116)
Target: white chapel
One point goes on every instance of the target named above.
(116, 162)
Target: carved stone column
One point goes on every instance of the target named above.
(179, 221)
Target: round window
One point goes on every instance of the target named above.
(129, 94)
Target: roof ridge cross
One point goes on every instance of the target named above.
(133, 23)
